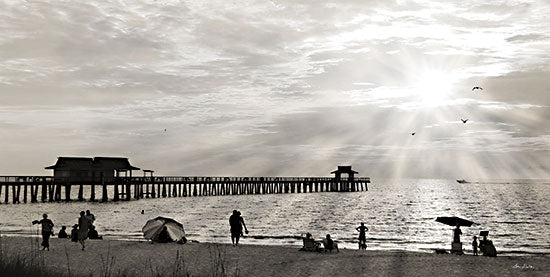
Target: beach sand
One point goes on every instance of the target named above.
(201, 259)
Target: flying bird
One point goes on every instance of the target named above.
(413, 134)
(474, 88)
(464, 120)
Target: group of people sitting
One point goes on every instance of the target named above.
(92, 233)
(85, 229)
(315, 246)
(328, 244)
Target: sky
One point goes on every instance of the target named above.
(278, 88)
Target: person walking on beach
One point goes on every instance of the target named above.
(474, 245)
(83, 227)
(47, 230)
(456, 233)
(236, 222)
(362, 236)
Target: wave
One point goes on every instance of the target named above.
(514, 222)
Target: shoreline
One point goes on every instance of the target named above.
(146, 259)
(467, 251)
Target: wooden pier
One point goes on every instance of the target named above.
(33, 189)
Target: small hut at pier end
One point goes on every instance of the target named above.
(83, 169)
(344, 170)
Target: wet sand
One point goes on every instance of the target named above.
(202, 259)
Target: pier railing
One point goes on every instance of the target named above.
(49, 188)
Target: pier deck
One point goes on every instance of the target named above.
(23, 189)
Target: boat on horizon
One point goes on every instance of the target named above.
(462, 181)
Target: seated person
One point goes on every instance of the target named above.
(310, 244)
(62, 233)
(92, 233)
(183, 240)
(163, 236)
(74, 233)
(329, 244)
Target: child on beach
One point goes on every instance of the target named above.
(474, 245)
(74, 233)
(62, 233)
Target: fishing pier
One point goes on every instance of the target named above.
(100, 185)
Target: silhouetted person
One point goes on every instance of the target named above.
(456, 234)
(92, 233)
(486, 246)
(62, 233)
(330, 244)
(47, 230)
(236, 222)
(163, 236)
(310, 244)
(83, 227)
(74, 233)
(90, 217)
(474, 245)
(362, 236)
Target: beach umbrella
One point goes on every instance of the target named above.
(153, 227)
(453, 221)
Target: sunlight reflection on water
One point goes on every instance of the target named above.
(400, 214)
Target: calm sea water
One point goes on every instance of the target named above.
(400, 215)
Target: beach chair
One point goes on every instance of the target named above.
(311, 245)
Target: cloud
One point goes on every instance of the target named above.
(527, 38)
(252, 87)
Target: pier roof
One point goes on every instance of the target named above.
(124, 163)
(345, 169)
(85, 162)
(79, 161)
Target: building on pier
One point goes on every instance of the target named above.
(344, 170)
(83, 169)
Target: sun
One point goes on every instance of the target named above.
(433, 88)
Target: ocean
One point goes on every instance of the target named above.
(400, 215)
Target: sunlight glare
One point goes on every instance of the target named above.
(433, 88)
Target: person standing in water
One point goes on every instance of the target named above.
(83, 227)
(47, 231)
(236, 222)
(362, 236)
